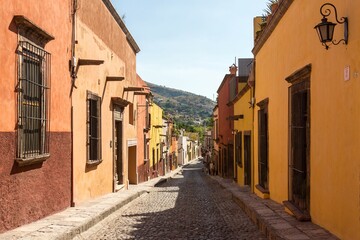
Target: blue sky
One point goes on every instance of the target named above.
(189, 44)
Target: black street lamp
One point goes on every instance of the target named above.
(325, 29)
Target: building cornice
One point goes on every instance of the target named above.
(271, 25)
(120, 22)
(226, 77)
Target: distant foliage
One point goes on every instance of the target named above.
(188, 110)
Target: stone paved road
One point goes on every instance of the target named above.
(189, 206)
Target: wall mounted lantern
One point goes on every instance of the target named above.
(325, 29)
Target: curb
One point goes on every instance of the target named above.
(270, 217)
(253, 214)
(73, 221)
(86, 225)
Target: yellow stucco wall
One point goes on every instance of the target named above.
(242, 107)
(93, 181)
(335, 112)
(155, 138)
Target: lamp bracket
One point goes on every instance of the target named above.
(325, 11)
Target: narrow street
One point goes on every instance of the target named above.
(189, 206)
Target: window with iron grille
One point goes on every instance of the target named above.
(33, 102)
(153, 159)
(146, 149)
(157, 156)
(238, 148)
(216, 129)
(263, 144)
(299, 142)
(147, 116)
(93, 128)
(299, 162)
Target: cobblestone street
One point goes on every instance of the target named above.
(189, 206)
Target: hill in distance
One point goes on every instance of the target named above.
(182, 106)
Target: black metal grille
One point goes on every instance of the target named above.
(247, 159)
(94, 127)
(153, 159)
(238, 148)
(147, 115)
(33, 100)
(300, 132)
(263, 148)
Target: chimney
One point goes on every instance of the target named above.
(233, 69)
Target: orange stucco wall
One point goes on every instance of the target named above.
(109, 32)
(58, 48)
(101, 39)
(334, 134)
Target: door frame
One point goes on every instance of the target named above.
(118, 116)
(248, 164)
(300, 81)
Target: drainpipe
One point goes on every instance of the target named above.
(73, 77)
(252, 100)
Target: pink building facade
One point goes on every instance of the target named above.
(35, 127)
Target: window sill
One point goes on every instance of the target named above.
(32, 160)
(265, 194)
(298, 214)
(93, 162)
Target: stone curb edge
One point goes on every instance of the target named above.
(76, 231)
(265, 228)
(73, 232)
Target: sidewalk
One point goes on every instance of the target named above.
(75, 220)
(271, 218)
(268, 215)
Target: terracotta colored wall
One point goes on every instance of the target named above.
(32, 192)
(225, 111)
(141, 124)
(57, 24)
(215, 128)
(226, 163)
(215, 135)
(334, 114)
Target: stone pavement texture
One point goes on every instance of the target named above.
(189, 206)
(75, 220)
(98, 218)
